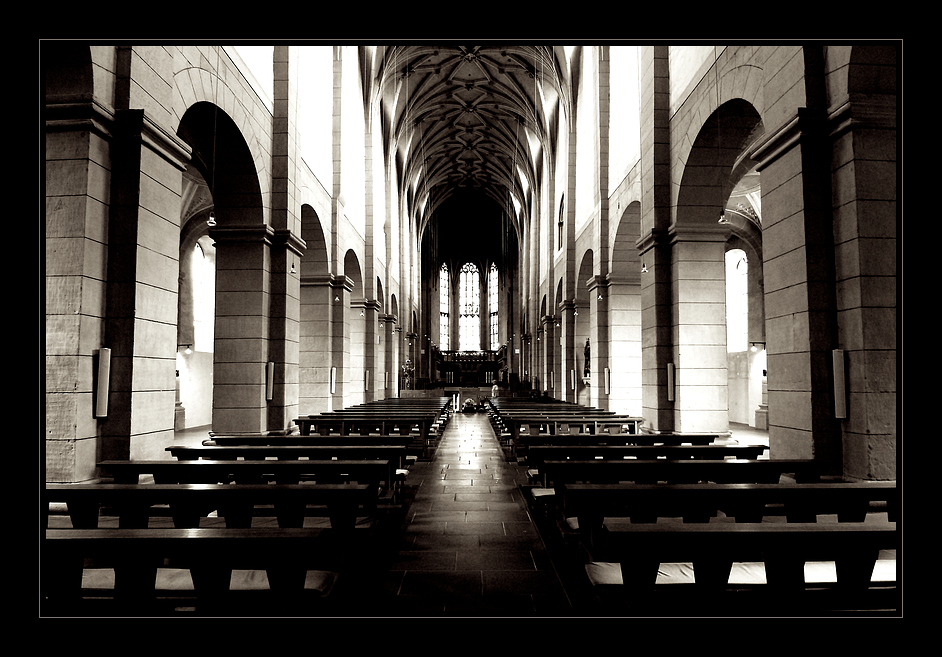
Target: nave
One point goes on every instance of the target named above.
(467, 539)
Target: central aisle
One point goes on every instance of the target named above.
(468, 546)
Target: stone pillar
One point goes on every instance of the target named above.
(76, 228)
(316, 308)
(599, 301)
(865, 225)
(285, 331)
(699, 329)
(624, 308)
(143, 263)
(548, 340)
(241, 348)
(287, 248)
(387, 382)
(568, 365)
(798, 253)
(339, 341)
(653, 245)
(657, 352)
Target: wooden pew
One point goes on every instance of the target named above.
(396, 454)
(210, 554)
(712, 541)
(346, 424)
(262, 440)
(538, 454)
(388, 451)
(137, 547)
(679, 471)
(783, 548)
(796, 502)
(526, 428)
(364, 471)
(135, 504)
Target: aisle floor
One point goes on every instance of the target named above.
(468, 545)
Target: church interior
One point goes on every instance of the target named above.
(444, 330)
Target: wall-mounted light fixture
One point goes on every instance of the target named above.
(644, 268)
(293, 271)
(103, 382)
(212, 219)
(723, 220)
(670, 382)
(840, 383)
(187, 349)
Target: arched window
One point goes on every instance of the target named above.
(492, 303)
(469, 321)
(443, 307)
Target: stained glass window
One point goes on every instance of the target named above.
(443, 307)
(469, 321)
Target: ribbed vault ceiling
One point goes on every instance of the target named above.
(477, 118)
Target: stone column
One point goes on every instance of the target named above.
(241, 347)
(798, 253)
(316, 308)
(699, 329)
(76, 249)
(339, 340)
(567, 350)
(142, 264)
(285, 330)
(657, 352)
(550, 341)
(624, 308)
(600, 329)
(653, 245)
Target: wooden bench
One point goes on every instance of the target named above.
(723, 524)
(387, 451)
(420, 426)
(679, 471)
(135, 504)
(783, 548)
(525, 428)
(210, 555)
(364, 471)
(796, 502)
(538, 454)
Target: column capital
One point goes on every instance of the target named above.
(256, 233)
(699, 232)
(290, 240)
(652, 239)
(778, 142)
(597, 282)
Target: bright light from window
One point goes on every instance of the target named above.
(443, 307)
(737, 301)
(469, 321)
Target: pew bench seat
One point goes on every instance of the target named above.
(211, 555)
(188, 504)
(369, 471)
(764, 569)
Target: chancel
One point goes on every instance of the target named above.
(367, 330)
